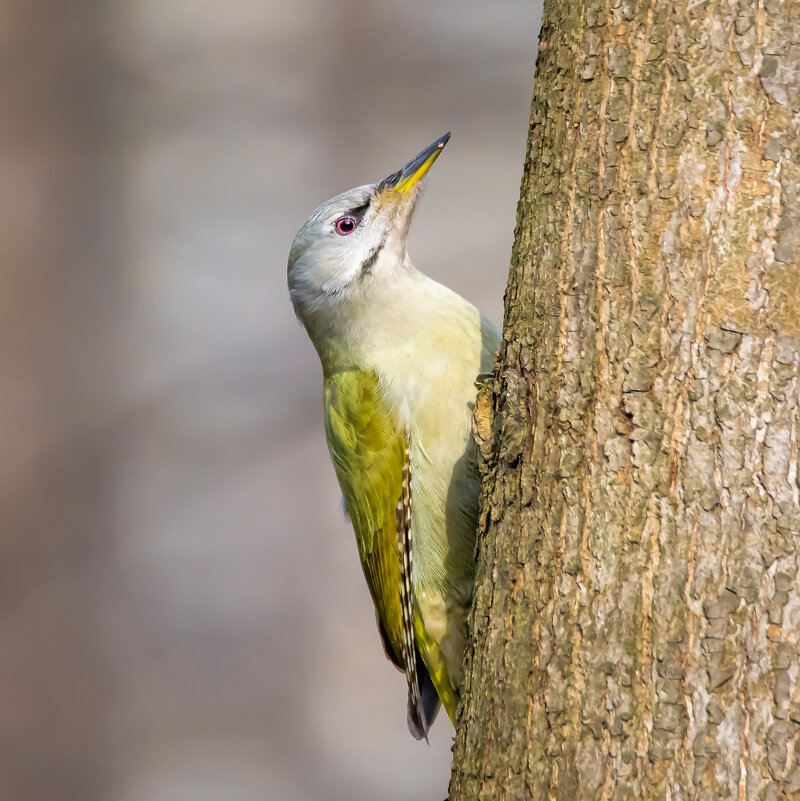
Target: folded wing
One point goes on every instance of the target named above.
(371, 459)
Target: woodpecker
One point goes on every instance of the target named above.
(400, 355)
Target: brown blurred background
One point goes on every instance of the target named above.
(182, 613)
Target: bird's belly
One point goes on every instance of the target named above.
(444, 512)
(433, 400)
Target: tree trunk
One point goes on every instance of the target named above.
(636, 626)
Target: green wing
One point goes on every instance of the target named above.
(370, 456)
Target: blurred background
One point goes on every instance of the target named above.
(182, 612)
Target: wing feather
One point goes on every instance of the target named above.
(417, 720)
(372, 462)
(368, 452)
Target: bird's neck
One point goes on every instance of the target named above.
(364, 331)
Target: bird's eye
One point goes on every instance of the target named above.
(345, 225)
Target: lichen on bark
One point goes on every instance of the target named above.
(636, 624)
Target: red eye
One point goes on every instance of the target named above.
(345, 225)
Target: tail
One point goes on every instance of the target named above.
(422, 711)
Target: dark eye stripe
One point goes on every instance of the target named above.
(359, 210)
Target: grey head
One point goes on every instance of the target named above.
(356, 240)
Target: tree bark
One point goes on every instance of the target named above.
(636, 624)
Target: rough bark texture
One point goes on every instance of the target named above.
(636, 628)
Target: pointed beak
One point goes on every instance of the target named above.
(415, 170)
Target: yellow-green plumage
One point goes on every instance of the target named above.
(367, 452)
(370, 453)
(400, 354)
(367, 448)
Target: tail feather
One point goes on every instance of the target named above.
(423, 711)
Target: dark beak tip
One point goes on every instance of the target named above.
(392, 180)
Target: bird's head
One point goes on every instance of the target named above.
(357, 240)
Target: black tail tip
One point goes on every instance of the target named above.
(422, 715)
